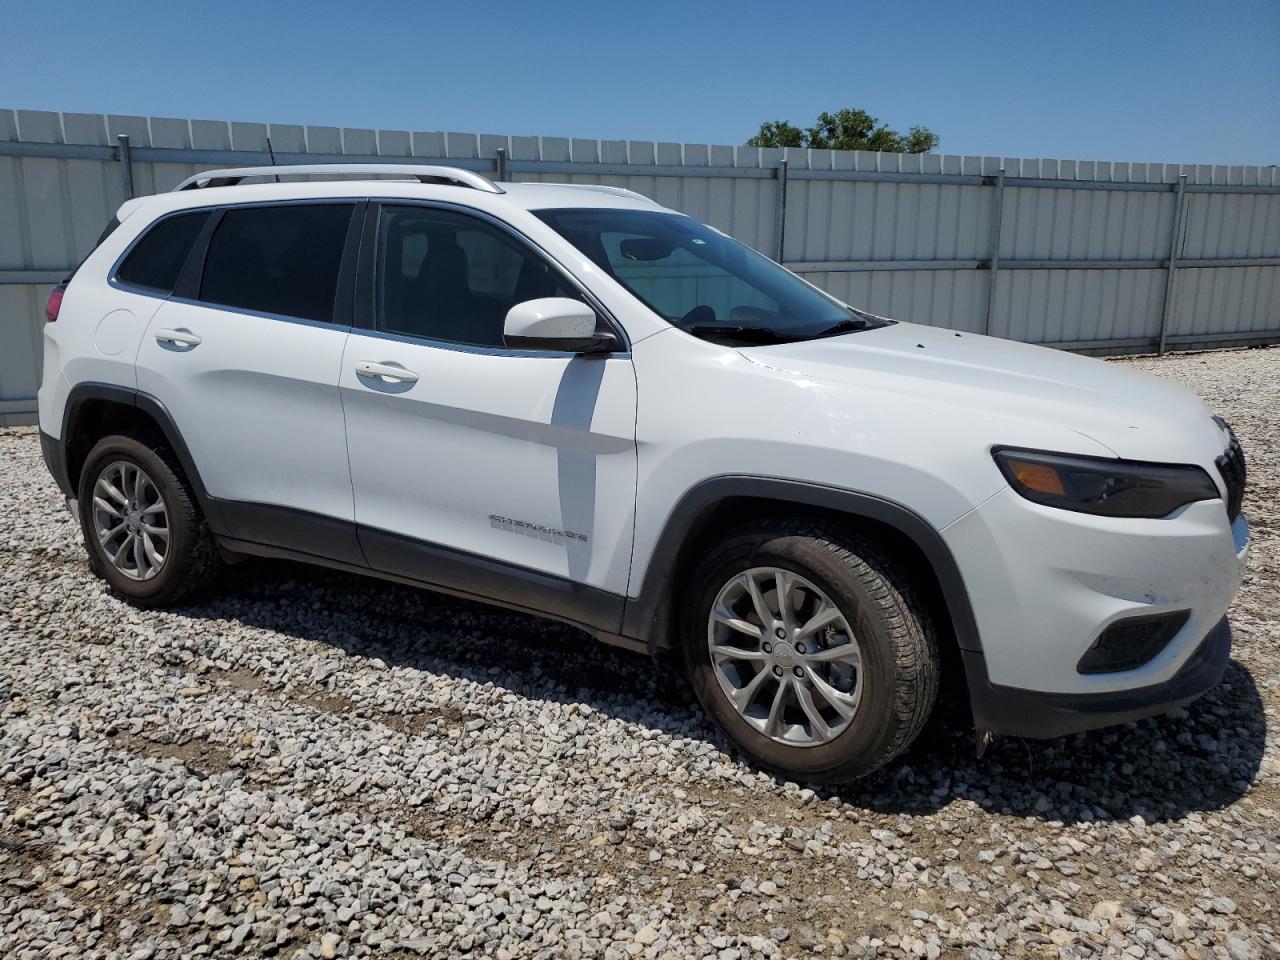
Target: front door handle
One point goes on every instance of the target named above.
(181, 337)
(386, 372)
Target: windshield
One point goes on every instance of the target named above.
(702, 281)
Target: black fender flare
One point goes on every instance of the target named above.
(82, 393)
(644, 613)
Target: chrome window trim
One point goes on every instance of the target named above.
(222, 308)
(244, 311)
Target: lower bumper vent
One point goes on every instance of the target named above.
(1128, 644)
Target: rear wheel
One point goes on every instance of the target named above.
(142, 528)
(810, 650)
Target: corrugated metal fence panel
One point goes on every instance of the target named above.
(1042, 224)
(1057, 306)
(1226, 300)
(841, 220)
(907, 236)
(1222, 225)
(943, 298)
(22, 317)
(835, 220)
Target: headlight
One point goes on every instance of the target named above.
(1110, 488)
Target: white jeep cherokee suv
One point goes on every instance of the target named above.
(571, 401)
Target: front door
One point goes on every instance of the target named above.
(506, 474)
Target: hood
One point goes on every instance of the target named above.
(1136, 416)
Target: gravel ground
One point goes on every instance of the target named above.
(309, 764)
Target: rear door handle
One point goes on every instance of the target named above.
(386, 372)
(180, 337)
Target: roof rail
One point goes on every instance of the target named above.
(423, 173)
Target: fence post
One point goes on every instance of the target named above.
(781, 174)
(125, 154)
(997, 221)
(1179, 204)
(500, 166)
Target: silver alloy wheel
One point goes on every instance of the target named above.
(785, 657)
(130, 520)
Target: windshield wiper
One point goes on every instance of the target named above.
(749, 334)
(844, 326)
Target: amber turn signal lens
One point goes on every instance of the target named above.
(1037, 476)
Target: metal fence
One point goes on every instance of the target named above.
(1095, 256)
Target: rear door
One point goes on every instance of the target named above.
(245, 357)
(504, 473)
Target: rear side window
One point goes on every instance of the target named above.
(157, 259)
(283, 260)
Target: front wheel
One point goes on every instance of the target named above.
(142, 527)
(810, 650)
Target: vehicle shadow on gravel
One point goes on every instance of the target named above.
(1200, 759)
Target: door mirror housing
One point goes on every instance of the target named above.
(555, 323)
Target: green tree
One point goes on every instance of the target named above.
(846, 129)
(920, 140)
(777, 133)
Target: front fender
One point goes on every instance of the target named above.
(647, 614)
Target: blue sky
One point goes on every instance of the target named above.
(1169, 81)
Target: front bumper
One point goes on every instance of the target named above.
(1044, 584)
(1039, 715)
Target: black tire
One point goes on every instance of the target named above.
(192, 560)
(898, 646)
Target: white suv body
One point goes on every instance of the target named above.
(280, 365)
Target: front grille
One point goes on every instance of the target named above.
(1231, 466)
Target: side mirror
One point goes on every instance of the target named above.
(555, 323)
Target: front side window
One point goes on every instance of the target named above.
(157, 259)
(442, 275)
(282, 259)
(702, 281)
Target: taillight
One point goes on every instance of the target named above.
(54, 304)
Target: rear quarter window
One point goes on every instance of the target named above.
(157, 259)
